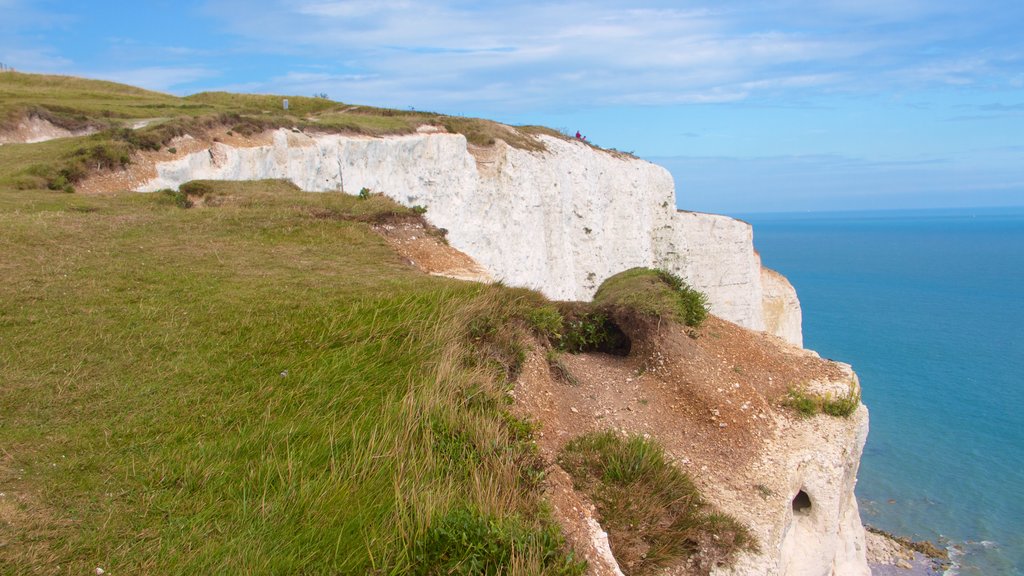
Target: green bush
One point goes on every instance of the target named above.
(587, 332)
(652, 511)
(196, 188)
(657, 293)
(179, 198)
(809, 404)
(29, 182)
(546, 321)
(467, 542)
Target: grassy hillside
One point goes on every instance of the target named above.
(260, 387)
(80, 99)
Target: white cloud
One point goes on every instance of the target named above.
(592, 53)
(34, 59)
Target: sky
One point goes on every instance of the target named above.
(753, 106)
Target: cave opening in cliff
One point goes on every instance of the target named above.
(616, 342)
(607, 338)
(801, 503)
(593, 331)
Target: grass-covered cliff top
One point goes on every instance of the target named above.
(111, 110)
(74, 103)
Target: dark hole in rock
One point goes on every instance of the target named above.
(801, 503)
(617, 342)
(595, 332)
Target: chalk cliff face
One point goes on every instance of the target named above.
(560, 221)
(809, 517)
(782, 315)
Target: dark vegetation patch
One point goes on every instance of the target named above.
(654, 515)
(576, 327)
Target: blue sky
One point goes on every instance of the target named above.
(753, 106)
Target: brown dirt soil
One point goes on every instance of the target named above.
(711, 399)
(426, 250)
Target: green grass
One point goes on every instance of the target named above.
(255, 104)
(653, 513)
(259, 387)
(74, 101)
(809, 404)
(468, 543)
(656, 293)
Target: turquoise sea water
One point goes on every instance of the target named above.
(928, 307)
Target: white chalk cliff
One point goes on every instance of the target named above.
(563, 220)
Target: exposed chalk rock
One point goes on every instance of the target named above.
(782, 315)
(560, 221)
(807, 519)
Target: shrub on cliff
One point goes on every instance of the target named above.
(197, 188)
(468, 542)
(655, 293)
(810, 404)
(653, 512)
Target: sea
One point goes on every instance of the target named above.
(928, 307)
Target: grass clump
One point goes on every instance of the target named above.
(467, 542)
(653, 513)
(546, 321)
(657, 293)
(558, 369)
(809, 404)
(197, 188)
